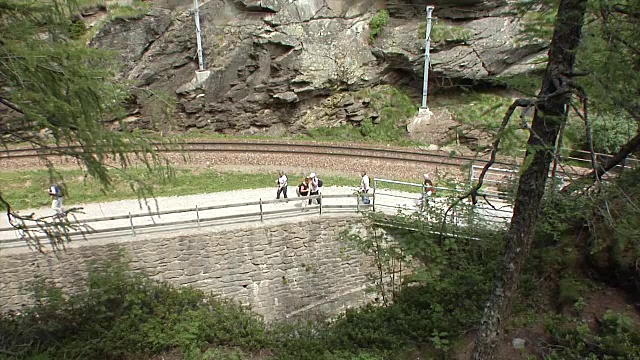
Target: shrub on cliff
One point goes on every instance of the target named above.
(377, 23)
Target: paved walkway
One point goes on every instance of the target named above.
(232, 217)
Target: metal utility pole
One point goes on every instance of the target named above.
(198, 35)
(427, 58)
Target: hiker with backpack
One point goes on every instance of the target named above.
(56, 195)
(315, 185)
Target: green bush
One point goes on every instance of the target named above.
(77, 29)
(446, 33)
(377, 23)
(610, 132)
(443, 297)
(124, 314)
(614, 337)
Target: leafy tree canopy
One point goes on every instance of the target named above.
(608, 60)
(56, 93)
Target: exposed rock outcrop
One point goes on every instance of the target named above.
(275, 62)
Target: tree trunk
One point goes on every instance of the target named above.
(547, 122)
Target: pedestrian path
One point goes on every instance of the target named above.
(258, 206)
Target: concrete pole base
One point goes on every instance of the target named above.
(422, 118)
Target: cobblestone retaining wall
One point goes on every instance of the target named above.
(280, 271)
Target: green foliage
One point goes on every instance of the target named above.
(64, 93)
(77, 29)
(560, 213)
(377, 23)
(216, 353)
(124, 314)
(485, 112)
(570, 291)
(610, 132)
(537, 20)
(446, 33)
(600, 230)
(441, 296)
(610, 52)
(616, 336)
(135, 11)
(393, 106)
(526, 84)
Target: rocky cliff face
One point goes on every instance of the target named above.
(276, 66)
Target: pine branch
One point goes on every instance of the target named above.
(10, 105)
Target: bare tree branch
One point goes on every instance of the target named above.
(473, 192)
(10, 105)
(609, 163)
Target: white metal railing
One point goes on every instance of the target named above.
(245, 212)
(195, 216)
(500, 214)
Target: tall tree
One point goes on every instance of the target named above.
(57, 95)
(551, 106)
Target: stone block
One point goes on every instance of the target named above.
(273, 250)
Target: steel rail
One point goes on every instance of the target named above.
(277, 147)
(314, 149)
(198, 146)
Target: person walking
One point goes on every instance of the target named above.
(314, 187)
(303, 190)
(56, 195)
(427, 190)
(364, 187)
(282, 185)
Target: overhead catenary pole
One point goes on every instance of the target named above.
(427, 58)
(198, 35)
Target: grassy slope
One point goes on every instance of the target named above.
(26, 189)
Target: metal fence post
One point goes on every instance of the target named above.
(320, 202)
(423, 199)
(261, 214)
(131, 222)
(198, 215)
(357, 203)
(373, 203)
(471, 176)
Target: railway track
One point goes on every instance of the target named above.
(361, 152)
(308, 149)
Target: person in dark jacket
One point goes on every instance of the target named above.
(303, 190)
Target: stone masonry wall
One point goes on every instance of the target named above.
(280, 271)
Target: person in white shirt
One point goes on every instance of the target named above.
(364, 187)
(315, 186)
(282, 185)
(364, 183)
(56, 195)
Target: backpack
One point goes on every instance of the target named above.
(319, 182)
(56, 190)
